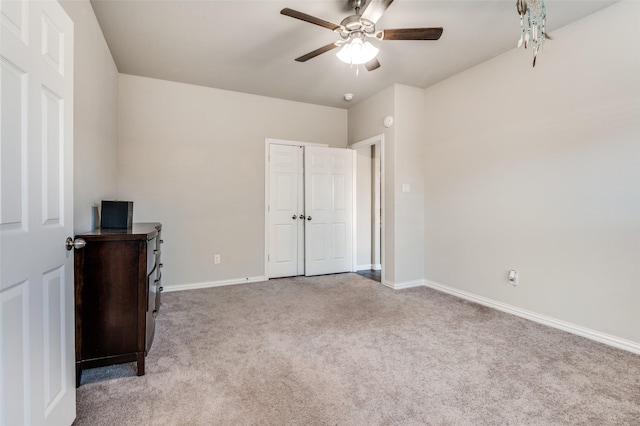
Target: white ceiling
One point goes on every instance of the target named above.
(248, 46)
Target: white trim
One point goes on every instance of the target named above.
(367, 142)
(403, 285)
(267, 142)
(597, 336)
(369, 267)
(374, 140)
(363, 267)
(354, 212)
(208, 284)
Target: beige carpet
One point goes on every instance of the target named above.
(344, 350)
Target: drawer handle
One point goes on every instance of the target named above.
(161, 241)
(156, 251)
(161, 289)
(156, 281)
(155, 313)
(161, 265)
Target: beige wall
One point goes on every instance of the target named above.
(409, 170)
(538, 170)
(404, 222)
(193, 158)
(95, 115)
(366, 121)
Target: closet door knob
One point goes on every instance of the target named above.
(294, 217)
(308, 217)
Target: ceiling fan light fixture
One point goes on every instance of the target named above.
(357, 52)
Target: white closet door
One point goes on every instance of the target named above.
(36, 215)
(285, 168)
(328, 206)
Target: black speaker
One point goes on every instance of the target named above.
(116, 214)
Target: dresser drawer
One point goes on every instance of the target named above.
(152, 254)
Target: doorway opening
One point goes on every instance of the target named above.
(372, 274)
(368, 208)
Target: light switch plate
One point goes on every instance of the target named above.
(406, 187)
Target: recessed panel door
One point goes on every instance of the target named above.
(328, 176)
(36, 215)
(285, 209)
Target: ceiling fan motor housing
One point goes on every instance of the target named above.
(356, 4)
(351, 23)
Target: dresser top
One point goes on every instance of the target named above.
(139, 231)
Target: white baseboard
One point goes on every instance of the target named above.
(403, 285)
(193, 286)
(375, 267)
(364, 267)
(607, 339)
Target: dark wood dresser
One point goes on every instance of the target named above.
(117, 292)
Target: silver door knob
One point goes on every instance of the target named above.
(294, 217)
(308, 217)
(78, 243)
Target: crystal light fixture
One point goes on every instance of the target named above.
(357, 52)
(534, 29)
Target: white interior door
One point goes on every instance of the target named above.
(36, 215)
(328, 174)
(286, 248)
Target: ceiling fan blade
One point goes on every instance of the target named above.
(308, 18)
(374, 9)
(372, 65)
(316, 52)
(410, 34)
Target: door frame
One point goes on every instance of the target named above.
(267, 188)
(374, 140)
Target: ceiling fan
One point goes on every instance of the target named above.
(356, 28)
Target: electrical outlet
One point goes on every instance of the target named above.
(216, 259)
